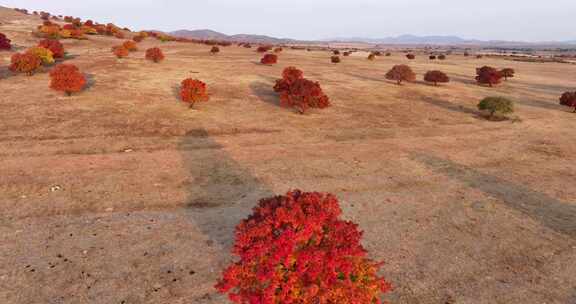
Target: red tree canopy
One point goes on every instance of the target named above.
(296, 249)
(488, 75)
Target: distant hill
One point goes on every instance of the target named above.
(213, 35)
(444, 40)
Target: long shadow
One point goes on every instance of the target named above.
(539, 104)
(265, 92)
(555, 214)
(221, 192)
(449, 106)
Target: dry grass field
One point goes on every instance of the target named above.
(121, 194)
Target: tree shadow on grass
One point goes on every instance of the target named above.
(450, 106)
(555, 214)
(221, 191)
(265, 92)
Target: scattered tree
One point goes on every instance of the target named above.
(507, 73)
(401, 73)
(479, 56)
(346, 54)
(5, 42)
(569, 99)
(436, 77)
(296, 249)
(289, 76)
(303, 94)
(278, 50)
(372, 56)
(263, 49)
(432, 57)
(154, 54)
(335, 59)
(121, 51)
(130, 45)
(25, 63)
(488, 75)
(269, 59)
(67, 78)
(193, 91)
(442, 57)
(54, 46)
(411, 56)
(336, 52)
(44, 54)
(388, 54)
(215, 50)
(496, 105)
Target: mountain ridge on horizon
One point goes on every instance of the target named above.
(406, 39)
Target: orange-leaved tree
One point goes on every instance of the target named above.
(296, 249)
(67, 78)
(193, 91)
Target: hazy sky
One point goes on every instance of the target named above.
(528, 20)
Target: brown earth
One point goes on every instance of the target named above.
(121, 194)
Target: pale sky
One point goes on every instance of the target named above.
(519, 20)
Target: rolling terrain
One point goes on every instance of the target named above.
(121, 194)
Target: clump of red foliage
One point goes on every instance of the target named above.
(67, 78)
(569, 99)
(154, 54)
(263, 48)
(25, 63)
(488, 75)
(120, 51)
(54, 46)
(300, 93)
(296, 249)
(269, 59)
(215, 50)
(4, 42)
(130, 45)
(289, 76)
(401, 73)
(335, 59)
(436, 77)
(193, 91)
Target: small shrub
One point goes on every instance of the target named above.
(432, 57)
(372, 56)
(441, 57)
(303, 94)
(436, 77)
(388, 54)
(269, 59)
(507, 73)
(263, 49)
(154, 54)
(25, 63)
(488, 75)
(193, 91)
(54, 46)
(466, 54)
(479, 56)
(401, 73)
(5, 42)
(335, 59)
(289, 76)
(120, 51)
(130, 45)
(215, 50)
(278, 50)
(336, 52)
(43, 53)
(137, 38)
(496, 105)
(346, 54)
(296, 249)
(569, 99)
(411, 56)
(119, 35)
(67, 78)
